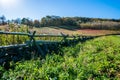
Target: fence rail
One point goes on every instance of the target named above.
(32, 45)
(29, 34)
(14, 33)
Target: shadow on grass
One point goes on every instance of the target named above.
(33, 52)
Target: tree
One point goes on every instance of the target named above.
(43, 22)
(51, 21)
(36, 23)
(3, 18)
(8, 21)
(31, 24)
(25, 21)
(18, 21)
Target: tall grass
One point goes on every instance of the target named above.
(101, 25)
(6, 39)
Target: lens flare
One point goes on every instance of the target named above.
(8, 3)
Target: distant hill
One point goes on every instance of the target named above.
(71, 22)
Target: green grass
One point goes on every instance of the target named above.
(97, 59)
(100, 58)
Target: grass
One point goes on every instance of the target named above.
(100, 58)
(97, 59)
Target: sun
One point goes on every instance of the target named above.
(8, 3)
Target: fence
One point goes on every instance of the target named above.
(15, 46)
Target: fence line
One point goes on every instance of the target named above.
(16, 52)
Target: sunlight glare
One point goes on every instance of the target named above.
(8, 3)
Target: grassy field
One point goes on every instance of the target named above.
(97, 59)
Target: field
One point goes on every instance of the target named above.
(58, 30)
(97, 59)
(71, 30)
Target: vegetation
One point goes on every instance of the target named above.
(97, 59)
(2, 20)
(80, 22)
(6, 39)
(14, 39)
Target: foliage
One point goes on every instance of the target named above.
(97, 59)
(51, 21)
(81, 22)
(2, 20)
(14, 39)
(36, 23)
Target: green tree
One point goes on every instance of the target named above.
(3, 18)
(36, 23)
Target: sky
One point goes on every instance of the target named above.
(36, 9)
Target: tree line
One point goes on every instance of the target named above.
(82, 22)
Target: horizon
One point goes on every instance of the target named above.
(105, 9)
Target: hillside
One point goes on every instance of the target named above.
(78, 31)
(97, 59)
(71, 30)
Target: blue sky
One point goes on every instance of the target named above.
(36, 9)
